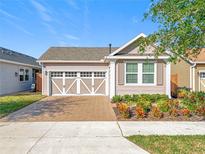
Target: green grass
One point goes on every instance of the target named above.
(12, 103)
(170, 144)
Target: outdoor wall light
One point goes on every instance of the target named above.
(16, 74)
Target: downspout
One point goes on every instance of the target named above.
(192, 76)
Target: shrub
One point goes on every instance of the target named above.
(155, 112)
(201, 110)
(140, 112)
(163, 105)
(144, 103)
(174, 112)
(127, 98)
(182, 92)
(123, 108)
(116, 99)
(185, 112)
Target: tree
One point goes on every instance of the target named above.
(181, 27)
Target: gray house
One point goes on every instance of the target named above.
(17, 71)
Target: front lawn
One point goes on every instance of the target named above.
(12, 103)
(170, 144)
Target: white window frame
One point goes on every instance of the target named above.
(140, 73)
(137, 73)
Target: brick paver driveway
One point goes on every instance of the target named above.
(88, 108)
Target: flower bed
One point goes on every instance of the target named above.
(188, 106)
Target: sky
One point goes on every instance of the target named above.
(32, 26)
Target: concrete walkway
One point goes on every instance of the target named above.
(85, 137)
(64, 137)
(162, 128)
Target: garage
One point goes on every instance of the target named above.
(68, 83)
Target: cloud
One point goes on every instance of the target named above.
(73, 4)
(8, 15)
(49, 28)
(42, 10)
(19, 27)
(63, 44)
(71, 37)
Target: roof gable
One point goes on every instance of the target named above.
(128, 44)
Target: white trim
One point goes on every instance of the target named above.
(128, 43)
(17, 63)
(168, 79)
(71, 61)
(140, 74)
(112, 78)
(137, 57)
(194, 81)
(190, 77)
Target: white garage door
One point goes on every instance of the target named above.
(78, 83)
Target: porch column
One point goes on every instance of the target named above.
(112, 78)
(168, 79)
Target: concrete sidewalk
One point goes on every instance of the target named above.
(64, 137)
(85, 137)
(162, 128)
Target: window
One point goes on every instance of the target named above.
(26, 75)
(85, 74)
(202, 75)
(56, 74)
(70, 74)
(99, 74)
(148, 73)
(131, 73)
(21, 75)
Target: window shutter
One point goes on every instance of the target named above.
(121, 73)
(160, 73)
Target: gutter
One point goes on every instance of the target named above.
(18, 63)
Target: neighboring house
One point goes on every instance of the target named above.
(191, 73)
(104, 71)
(17, 71)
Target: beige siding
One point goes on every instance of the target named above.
(199, 67)
(182, 69)
(9, 83)
(125, 89)
(69, 67)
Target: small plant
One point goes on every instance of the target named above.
(201, 111)
(182, 92)
(116, 99)
(155, 112)
(163, 105)
(127, 98)
(123, 108)
(140, 112)
(174, 112)
(185, 112)
(144, 103)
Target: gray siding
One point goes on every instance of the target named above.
(9, 83)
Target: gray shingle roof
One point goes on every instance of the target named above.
(76, 53)
(7, 54)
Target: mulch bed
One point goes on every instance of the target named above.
(166, 117)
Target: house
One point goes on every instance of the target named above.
(104, 70)
(17, 71)
(190, 73)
